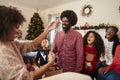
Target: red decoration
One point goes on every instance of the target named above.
(86, 26)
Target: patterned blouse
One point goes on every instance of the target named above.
(12, 66)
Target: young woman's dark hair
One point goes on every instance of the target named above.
(114, 38)
(9, 17)
(70, 15)
(98, 43)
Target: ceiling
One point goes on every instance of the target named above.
(41, 4)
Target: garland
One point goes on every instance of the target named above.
(100, 26)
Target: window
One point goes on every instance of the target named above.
(53, 32)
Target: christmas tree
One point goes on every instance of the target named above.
(35, 27)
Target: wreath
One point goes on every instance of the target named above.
(87, 10)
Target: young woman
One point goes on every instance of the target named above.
(93, 49)
(111, 43)
(12, 66)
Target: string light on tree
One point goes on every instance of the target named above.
(35, 27)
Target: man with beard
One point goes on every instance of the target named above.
(68, 44)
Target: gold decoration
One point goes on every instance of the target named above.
(89, 57)
(87, 10)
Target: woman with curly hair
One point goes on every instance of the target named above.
(12, 66)
(68, 44)
(93, 49)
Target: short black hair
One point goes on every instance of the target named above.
(70, 15)
(113, 27)
(10, 17)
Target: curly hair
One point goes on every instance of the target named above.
(70, 15)
(98, 43)
(10, 17)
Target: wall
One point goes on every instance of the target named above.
(27, 13)
(104, 11)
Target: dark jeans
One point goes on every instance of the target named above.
(99, 64)
(111, 75)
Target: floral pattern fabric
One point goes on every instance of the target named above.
(12, 66)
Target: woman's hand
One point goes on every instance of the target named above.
(52, 25)
(104, 70)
